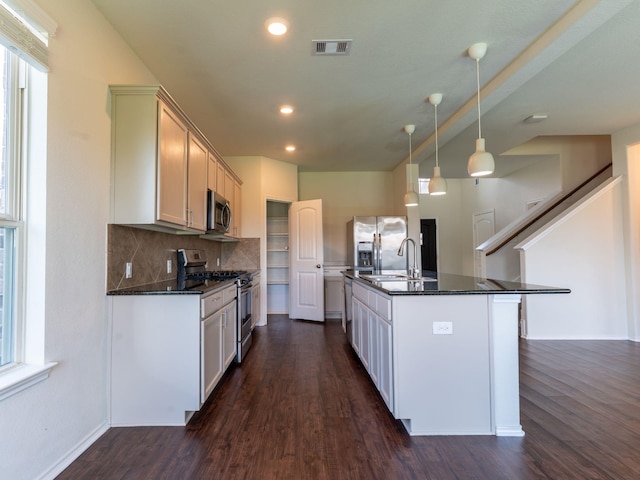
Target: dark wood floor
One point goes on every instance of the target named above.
(302, 407)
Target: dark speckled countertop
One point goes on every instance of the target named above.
(449, 284)
(170, 287)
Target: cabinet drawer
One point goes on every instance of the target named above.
(215, 301)
(361, 293)
(229, 294)
(383, 307)
(211, 303)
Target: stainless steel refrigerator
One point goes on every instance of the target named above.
(373, 242)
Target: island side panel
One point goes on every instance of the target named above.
(442, 381)
(505, 365)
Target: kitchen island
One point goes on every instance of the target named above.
(443, 352)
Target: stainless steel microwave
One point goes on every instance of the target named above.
(218, 213)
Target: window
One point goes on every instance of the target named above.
(10, 191)
(24, 33)
(423, 185)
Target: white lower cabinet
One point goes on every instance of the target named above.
(355, 325)
(167, 353)
(211, 368)
(155, 359)
(385, 375)
(365, 353)
(218, 338)
(439, 384)
(229, 335)
(374, 347)
(372, 338)
(255, 301)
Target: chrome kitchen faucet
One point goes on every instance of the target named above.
(414, 272)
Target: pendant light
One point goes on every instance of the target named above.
(411, 197)
(437, 184)
(481, 162)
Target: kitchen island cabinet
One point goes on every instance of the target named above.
(442, 352)
(372, 337)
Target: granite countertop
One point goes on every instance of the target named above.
(450, 284)
(171, 287)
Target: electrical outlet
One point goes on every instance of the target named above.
(443, 328)
(218, 262)
(127, 270)
(169, 266)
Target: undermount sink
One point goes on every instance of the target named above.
(385, 277)
(396, 277)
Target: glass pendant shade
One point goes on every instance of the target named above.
(437, 184)
(410, 198)
(481, 162)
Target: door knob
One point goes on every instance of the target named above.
(318, 266)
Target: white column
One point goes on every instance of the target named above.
(505, 374)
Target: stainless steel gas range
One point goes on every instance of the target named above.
(192, 272)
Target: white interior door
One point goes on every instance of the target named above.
(306, 256)
(483, 230)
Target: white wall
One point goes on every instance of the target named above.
(249, 169)
(41, 426)
(560, 163)
(263, 179)
(582, 249)
(345, 195)
(626, 162)
(451, 224)
(580, 156)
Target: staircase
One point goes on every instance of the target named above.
(497, 257)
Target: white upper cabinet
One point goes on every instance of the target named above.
(161, 163)
(172, 167)
(197, 184)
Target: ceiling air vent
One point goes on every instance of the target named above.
(331, 47)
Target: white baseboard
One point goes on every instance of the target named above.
(74, 453)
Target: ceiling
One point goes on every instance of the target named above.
(577, 62)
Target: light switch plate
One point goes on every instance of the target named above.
(127, 270)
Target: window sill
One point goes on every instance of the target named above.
(22, 377)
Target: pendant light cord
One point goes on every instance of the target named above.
(437, 165)
(478, 90)
(410, 165)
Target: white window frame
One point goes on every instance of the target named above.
(12, 217)
(29, 366)
(423, 186)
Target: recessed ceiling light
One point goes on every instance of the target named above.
(277, 26)
(290, 148)
(286, 109)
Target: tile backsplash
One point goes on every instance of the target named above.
(148, 251)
